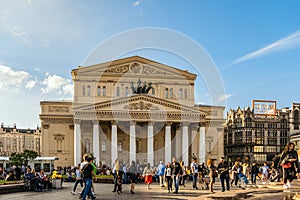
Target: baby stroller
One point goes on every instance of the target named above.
(243, 179)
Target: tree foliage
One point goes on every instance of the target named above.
(22, 158)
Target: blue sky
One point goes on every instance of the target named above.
(254, 44)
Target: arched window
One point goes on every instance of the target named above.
(180, 93)
(185, 93)
(166, 93)
(296, 119)
(86, 146)
(89, 90)
(99, 91)
(153, 91)
(118, 91)
(171, 93)
(126, 92)
(104, 91)
(120, 145)
(83, 90)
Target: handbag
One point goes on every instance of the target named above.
(287, 165)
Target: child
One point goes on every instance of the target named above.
(119, 183)
(265, 173)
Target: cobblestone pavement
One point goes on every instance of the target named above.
(104, 191)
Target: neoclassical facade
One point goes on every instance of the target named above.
(131, 109)
(16, 140)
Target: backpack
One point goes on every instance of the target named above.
(84, 172)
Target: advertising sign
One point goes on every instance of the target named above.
(264, 107)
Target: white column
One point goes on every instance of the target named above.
(96, 150)
(202, 150)
(185, 144)
(77, 143)
(168, 143)
(114, 143)
(178, 142)
(132, 152)
(150, 144)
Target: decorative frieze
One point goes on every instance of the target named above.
(58, 109)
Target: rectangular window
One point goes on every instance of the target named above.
(185, 93)
(103, 146)
(258, 149)
(260, 157)
(83, 90)
(98, 91)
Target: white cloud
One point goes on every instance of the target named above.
(57, 84)
(30, 84)
(12, 80)
(224, 97)
(286, 43)
(137, 3)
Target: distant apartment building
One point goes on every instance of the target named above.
(258, 135)
(17, 140)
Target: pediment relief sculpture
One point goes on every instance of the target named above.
(136, 68)
(141, 106)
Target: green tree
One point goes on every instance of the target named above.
(22, 158)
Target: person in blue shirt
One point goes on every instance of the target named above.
(160, 172)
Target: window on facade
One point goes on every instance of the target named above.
(259, 140)
(272, 133)
(1, 144)
(271, 148)
(180, 93)
(238, 137)
(166, 93)
(185, 93)
(171, 93)
(258, 148)
(248, 122)
(118, 91)
(153, 91)
(126, 92)
(238, 122)
(104, 91)
(83, 90)
(296, 120)
(120, 145)
(89, 90)
(37, 144)
(103, 145)
(283, 123)
(99, 91)
(137, 146)
(15, 143)
(260, 157)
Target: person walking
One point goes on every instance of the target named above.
(132, 173)
(115, 171)
(147, 174)
(78, 179)
(265, 173)
(161, 172)
(235, 173)
(212, 173)
(176, 173)
(88, 173)
(254, 172)
(194, 171)
(224, 174)
(289, 163)
(168, 175)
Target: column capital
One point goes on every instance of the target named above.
(151, 123)
(132, 123)
(114, 122)
(95, 122)
(185, 123)
(168, 123)
(77, 121)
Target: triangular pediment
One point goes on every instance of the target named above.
(132, 66)
(143, 103)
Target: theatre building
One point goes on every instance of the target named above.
(131, 109)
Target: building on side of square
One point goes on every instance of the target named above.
(259, 137)
(16, 140)
(131, 109)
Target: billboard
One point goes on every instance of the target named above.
(264, 107)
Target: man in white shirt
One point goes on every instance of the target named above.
(194, 171)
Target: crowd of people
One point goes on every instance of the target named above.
(172, 175)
